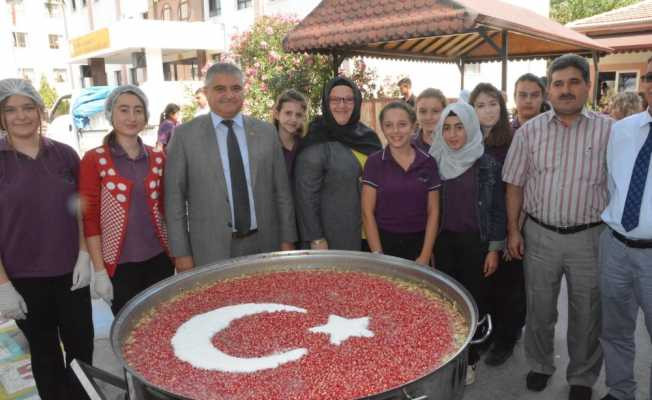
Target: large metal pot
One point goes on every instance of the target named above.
(443, 383)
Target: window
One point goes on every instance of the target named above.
(26, 73)
(54, 41)
(242, 4)
(20, 39)
(214, 8)
(16, 7)
(184, 13)
(53, 8)
(118, 77)
(167, 13)
(627, 81)
(59, 75)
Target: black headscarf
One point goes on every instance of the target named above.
(354, 134)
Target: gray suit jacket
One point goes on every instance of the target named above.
(196, 198)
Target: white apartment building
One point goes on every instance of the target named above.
(138, 41)
(32, 42)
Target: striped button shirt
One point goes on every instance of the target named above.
(562, 168)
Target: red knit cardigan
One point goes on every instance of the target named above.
(106, 197)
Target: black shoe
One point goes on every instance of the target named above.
(578, 392)
(536, 381)
(498, 355)
(609, 397)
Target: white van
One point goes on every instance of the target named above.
(62, 125)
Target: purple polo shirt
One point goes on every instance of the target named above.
(141, 242)
(401, 196)
(418, 142)
(39, 235)
(460, 194)
(290, 156)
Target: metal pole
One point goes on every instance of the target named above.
(504, 54)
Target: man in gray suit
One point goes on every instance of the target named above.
(226, 186)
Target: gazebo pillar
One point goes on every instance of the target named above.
(338, 59)
(596, 76)
(461, 64)
(504, 54)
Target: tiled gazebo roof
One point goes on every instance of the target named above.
(437, 30)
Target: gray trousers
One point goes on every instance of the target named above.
(245, 246)
(548, 257)
(626, 285)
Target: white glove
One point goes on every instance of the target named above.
(101, 285)
(81, 275)
(12, 305)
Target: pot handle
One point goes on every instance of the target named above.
(490, 327)
(408, 397)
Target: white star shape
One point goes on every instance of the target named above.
(340, 328)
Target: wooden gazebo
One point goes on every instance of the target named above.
(445, 31)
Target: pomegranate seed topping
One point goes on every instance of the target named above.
(414, 331)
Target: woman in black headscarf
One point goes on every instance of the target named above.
(328, 169)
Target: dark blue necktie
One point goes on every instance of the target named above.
(239, 190)
(632, 210)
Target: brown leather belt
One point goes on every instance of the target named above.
(633, 243)
(241, 235)
(566, 230)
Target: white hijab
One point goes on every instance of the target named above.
(453, 163)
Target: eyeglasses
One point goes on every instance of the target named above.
(647, 77)
(341, 100)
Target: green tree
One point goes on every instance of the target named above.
(47, 92)
(564, 11)
(269, 70)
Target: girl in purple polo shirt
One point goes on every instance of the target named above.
(400, 198)
(472, 230)
(290, 113)
(44, 266)
(430, 103)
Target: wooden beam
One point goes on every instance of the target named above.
(421, 45)
(409, 44)
(456, 49)
(489, 41)
(454, 41)
(476, 42)
(436, 45)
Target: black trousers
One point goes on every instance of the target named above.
(462, 255)
(404, 245)
(132, 278)
(54, 315)
(507, 302)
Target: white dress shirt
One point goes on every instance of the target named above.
(222, 132)
(627, 138)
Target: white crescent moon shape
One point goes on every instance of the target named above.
(192, 341)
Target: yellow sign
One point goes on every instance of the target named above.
(90, 42)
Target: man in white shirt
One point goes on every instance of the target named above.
(626, 248)
(202, 102)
